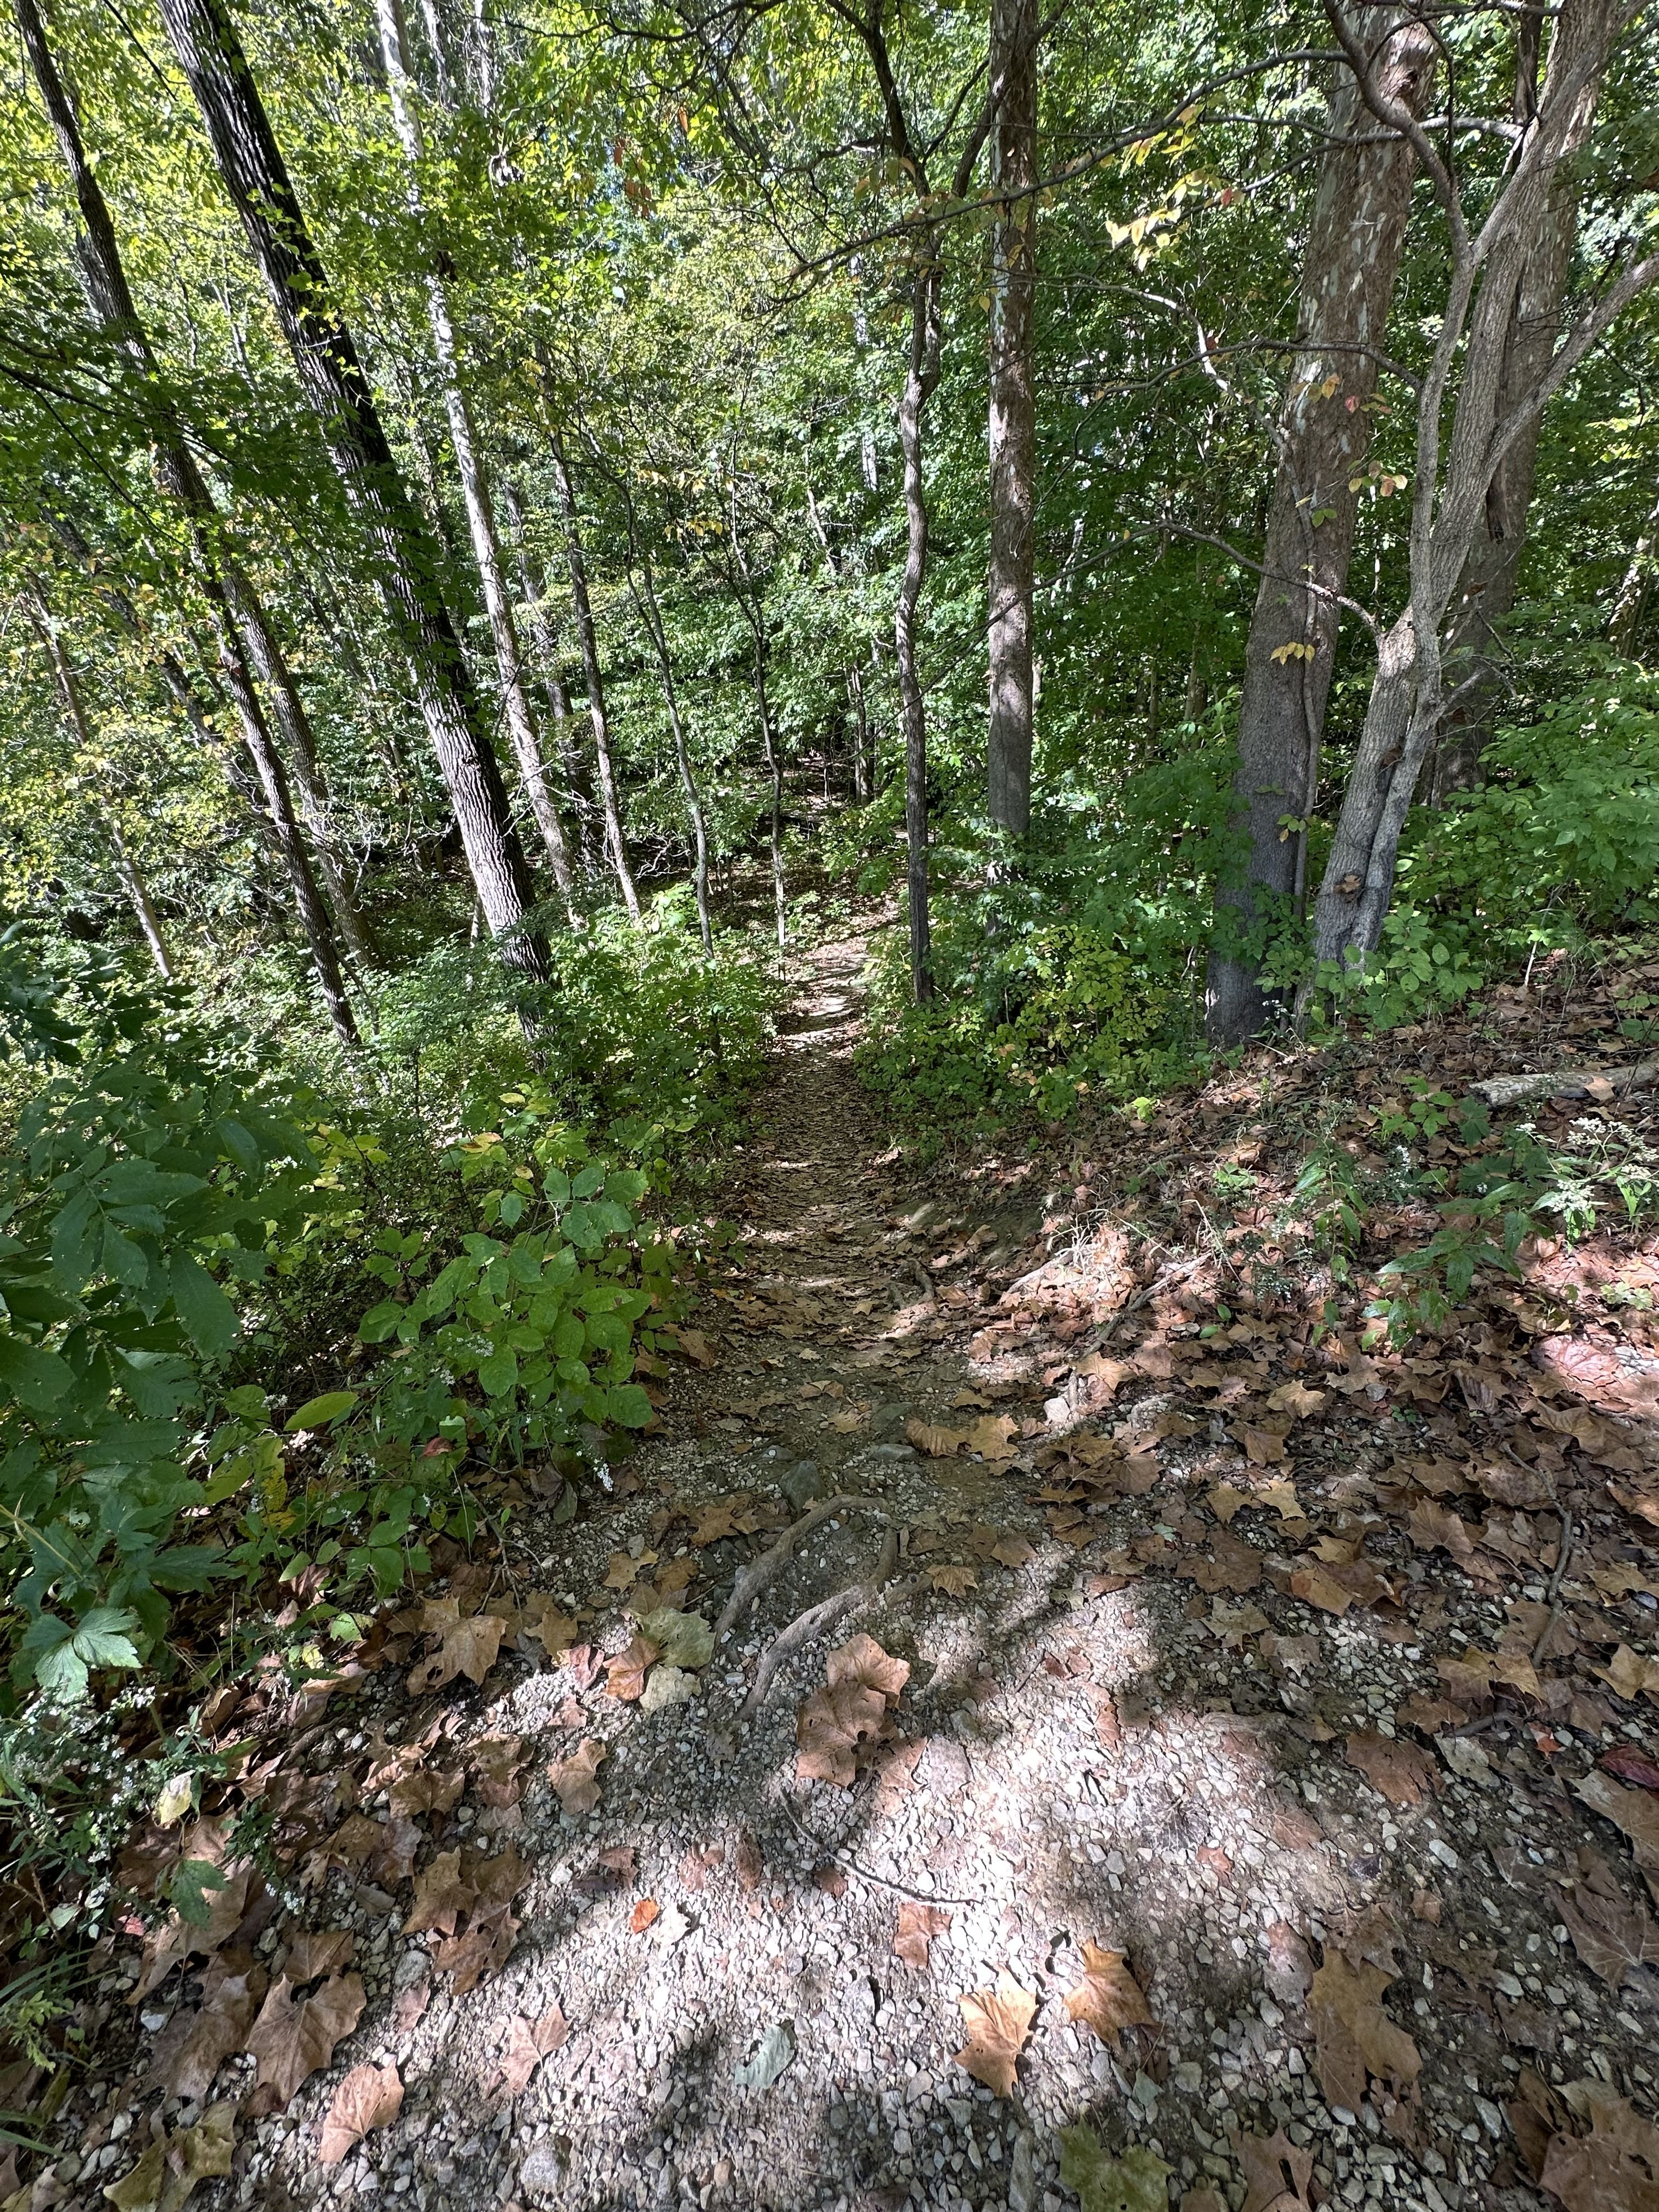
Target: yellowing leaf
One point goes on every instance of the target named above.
(998, 2021)
(1108, 1998)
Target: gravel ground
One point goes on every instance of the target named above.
(1094, 1745)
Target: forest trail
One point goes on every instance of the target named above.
(1158, 1786)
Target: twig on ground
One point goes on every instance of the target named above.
(848, 1864)
(754, 1578)
(816, 1618)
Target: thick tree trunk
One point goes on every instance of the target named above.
(1013, 416)
(921, 378)
(1454, 473)
(1359, 225)
(406, 561)
(1491, 575)
(475, 483)
(582, 607)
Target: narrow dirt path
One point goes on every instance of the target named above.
(1101, 1807)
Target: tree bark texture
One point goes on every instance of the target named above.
(1490, 414)
(588, 637)
(921, 376)
(1013, 417)
(405, 558)
(1360, 210)
(1491, 575)
(516, 710)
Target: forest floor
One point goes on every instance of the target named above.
(1187, 1804)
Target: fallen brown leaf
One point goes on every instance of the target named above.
(575, 1778)
(528, 2042)
(1289, 1963)
(1630, 1810)
(442, 1894)
(917, 1926)
(1613, 2168)
(311, 1955)
(291, 2040)
(830, 1728)
(1353, 2036)
(1395, 1770)
(1108, 1998)
(469, 1647)
(625, 1676)
(1013, 1552)
(370, 2097)
(1276, 2173)
(998, 2021)
(953, 1581)
(1612, 1936)
(643, 1914)
(483, 1949)
(196, 2042)
(862, 1660)
(410, 2007)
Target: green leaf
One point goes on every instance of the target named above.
(1137, 2182)
(209, 1317)
(499, 1373)
(318, 1413)
(65, 1654)
(684, 1639)
(381, 1321)
(188, 1887)
(39, 1379)
(628, 1406)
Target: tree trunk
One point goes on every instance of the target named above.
(774, 769)
(863, 780)
(475, 484)
(405, 558)
(1012, 414)
(132, 875)
(588, 638)
(1626, 615)
(110, 299)
(1454, 471)
(544, 632)
(921, 378)
(1492, 574)
(1354, 240)
(644, 598)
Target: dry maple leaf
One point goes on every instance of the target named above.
(918, 1924)
(311, 1955)
(1615, 2167)
(1612, 1935)
(1436, 1527)
(528, 2042)
(1353, 2035)
(1276, 2173)
(625, 1676)
(1262, 1447)
(469, 1647)
(370, 2097)
(861, 1660)
(575, 1778)
(542, 1622)
(195, 2044)
(1013, 1552)
(483, 1949)
(953, 1581)
(1629, 1674)
(291, 2040)
(495, 1760)
(176, 1938)
(998, 2021)
(1631, 1810)
(425, 1790)
(830, 1728)
(1108, 1998)
(1295, 1398)
(1396, 1771)
(935, 1440)
(441, 1896)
